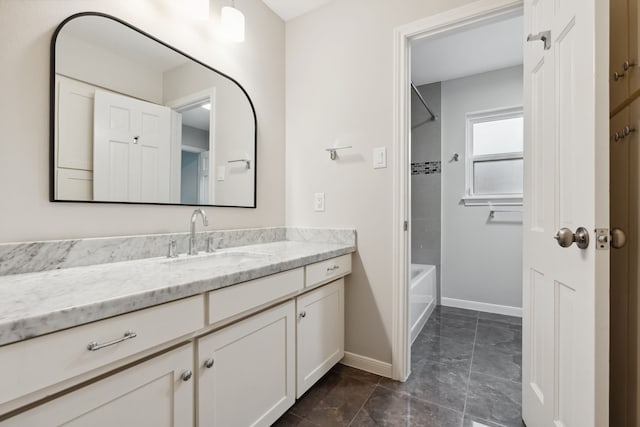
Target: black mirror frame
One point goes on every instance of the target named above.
(52, 94)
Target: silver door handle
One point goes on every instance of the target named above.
(94, 346)
(618, 238)
(544, 36)
(566, 237)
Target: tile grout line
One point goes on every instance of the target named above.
(466, 394)
(421, 399)
(365, 402)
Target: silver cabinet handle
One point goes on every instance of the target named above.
(94, 346)
(335, 267)
(186, 375)
(209, 363)
(303, 314)
(625, 66)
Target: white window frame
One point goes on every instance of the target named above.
(470, 198)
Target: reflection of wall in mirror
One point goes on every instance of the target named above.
(100, 67)
(234, 130)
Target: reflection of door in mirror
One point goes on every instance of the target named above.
(132, 149)
(197, 112)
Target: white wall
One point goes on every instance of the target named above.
(481, 259)
(84, 61)
(26, 28)
(340, 90)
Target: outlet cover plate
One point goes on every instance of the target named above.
(318, 202)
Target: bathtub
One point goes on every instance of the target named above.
(422, 292)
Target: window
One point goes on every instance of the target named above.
(495, 141)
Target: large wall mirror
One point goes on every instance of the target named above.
(137, 121)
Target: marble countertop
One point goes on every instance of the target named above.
(39, 303)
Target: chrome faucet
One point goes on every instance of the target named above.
(193, 250)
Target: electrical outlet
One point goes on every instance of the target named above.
(318, 202)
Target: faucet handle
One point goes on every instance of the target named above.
(173, 251)
(213, 243)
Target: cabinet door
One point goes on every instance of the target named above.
(320, 333)
(619, 291)
(155, 393)
(246, 370)
(619, 52)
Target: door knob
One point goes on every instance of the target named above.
(566, 237)
(618, 238)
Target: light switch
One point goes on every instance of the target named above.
(318, 202)
(379, 157)
(221, 171)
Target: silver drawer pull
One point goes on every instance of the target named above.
(335, 267)
(94, 346)
(186, 375)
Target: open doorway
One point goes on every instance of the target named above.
(193, 142)
(465, 214)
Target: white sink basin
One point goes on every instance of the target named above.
(215, 259)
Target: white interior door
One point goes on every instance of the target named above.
(565, 298)
(132, 150)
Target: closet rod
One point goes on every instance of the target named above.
(415, 89)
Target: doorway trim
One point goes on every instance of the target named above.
(477, 13)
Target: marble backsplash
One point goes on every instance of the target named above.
(30, 257)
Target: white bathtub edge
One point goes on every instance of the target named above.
(482, 306)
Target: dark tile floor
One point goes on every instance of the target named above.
(466, 372)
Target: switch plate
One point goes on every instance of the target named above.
(380, 157)
(221, 172)
(318, 202)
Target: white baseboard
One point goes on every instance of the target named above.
(367, 364)
(482, 306)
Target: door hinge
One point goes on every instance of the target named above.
(405, 226)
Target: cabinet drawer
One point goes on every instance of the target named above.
(233, 300)
(326, 271)
(34, 364)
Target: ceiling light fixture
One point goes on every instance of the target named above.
(232, 22)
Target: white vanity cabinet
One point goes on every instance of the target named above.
(236, 356)
(246, 370)
(320, 333)
(155, 393)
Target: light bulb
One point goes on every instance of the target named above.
(232, 22)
